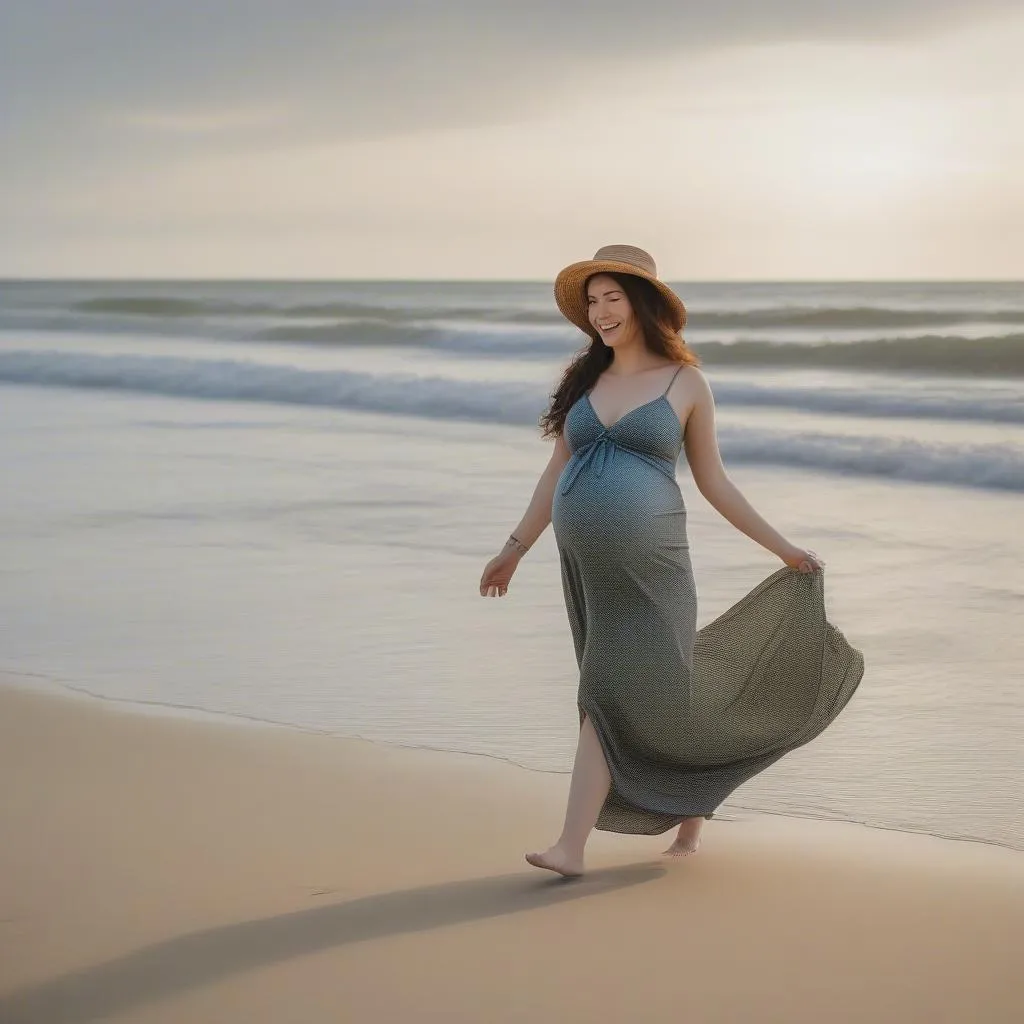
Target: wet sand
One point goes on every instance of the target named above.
(164, 868)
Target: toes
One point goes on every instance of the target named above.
(681, 850)
(539, 860)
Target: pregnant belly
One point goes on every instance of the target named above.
(629, 503)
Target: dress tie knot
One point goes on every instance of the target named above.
(600, 452)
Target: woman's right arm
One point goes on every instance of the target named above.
(538, 513)
(499, 570)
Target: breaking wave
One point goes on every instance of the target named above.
(997, 466)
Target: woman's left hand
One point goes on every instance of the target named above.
(806, 561)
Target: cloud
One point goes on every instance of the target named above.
(146, 71)
(250, 137)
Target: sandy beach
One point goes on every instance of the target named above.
(162, 868)
(312, 315)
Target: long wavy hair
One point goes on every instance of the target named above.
(654, 317)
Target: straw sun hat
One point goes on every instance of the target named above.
(611, 259)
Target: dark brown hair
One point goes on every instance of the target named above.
(654, 317)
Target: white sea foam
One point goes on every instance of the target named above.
(990, 465)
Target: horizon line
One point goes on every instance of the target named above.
(491, 280)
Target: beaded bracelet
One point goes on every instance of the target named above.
(515, 542)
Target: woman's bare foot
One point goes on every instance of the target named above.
(687, 838)
(557, 860)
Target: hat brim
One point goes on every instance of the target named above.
(573, 303)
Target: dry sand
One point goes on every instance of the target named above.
(158, 868)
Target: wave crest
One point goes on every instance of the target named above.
(997, 466)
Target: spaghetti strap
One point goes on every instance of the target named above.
(673, 380)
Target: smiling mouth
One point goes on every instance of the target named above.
(609, 327)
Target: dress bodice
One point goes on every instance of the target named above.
(650, 432)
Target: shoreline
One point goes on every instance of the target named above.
(159, 869)
(49, 686)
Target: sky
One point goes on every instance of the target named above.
(735, 140)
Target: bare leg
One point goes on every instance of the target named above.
(687, 838)
(587, 792)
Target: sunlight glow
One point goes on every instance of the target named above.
(870, 155)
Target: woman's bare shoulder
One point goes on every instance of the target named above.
(692, 376)
(689, 390)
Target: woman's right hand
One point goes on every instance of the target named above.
(498, 572)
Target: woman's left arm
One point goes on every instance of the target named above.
(701, 443)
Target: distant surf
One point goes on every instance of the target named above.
(972, 330)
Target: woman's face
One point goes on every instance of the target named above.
(609, 311)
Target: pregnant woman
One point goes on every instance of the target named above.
(672, 719)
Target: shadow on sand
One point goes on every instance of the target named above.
(176, 965)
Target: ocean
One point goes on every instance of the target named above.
(273, 501)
